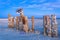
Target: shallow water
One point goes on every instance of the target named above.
(12, 34)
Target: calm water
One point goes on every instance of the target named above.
(12, 34)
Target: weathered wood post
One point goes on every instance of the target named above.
(54, 26)
(20, 18)
(21, 13)
(32, 23)
(23, 21)
(17, 22)
(44, 24)
(12, 22)
(26, 24)
(47, 25)
(9, 20)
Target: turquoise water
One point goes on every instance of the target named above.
(12, 34)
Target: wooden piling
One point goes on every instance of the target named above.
(32, 23)
(47, 25)
(11, 22)
(26, 24)
(54, 26)
(21, 18)
(17, 22)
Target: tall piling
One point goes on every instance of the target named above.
(54, 26)
(32, 23)
(47, 25)
(21, 19)
(21, 15)
(25, 28)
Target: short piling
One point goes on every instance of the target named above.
(11, 22)
(32, 23)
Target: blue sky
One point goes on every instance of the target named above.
(36, 8)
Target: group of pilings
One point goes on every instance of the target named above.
(50, 25)
(20, 23)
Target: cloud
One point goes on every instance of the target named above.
(46, 8)
(15, 7)
(56, 5)
(43, 6)
(46, 5)
(34, 6)
(42, 0)
(23, 1)
(39, 1)
(7, 2)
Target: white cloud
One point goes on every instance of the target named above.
(44, 6)
(56, 6)
(42, 0)
(7, 2)
(15, 7)
(34, 6)
(23, 1)
(41, 6)
(39, 1)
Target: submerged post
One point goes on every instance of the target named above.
(44, 24)
(54, 26)
(32, 23)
